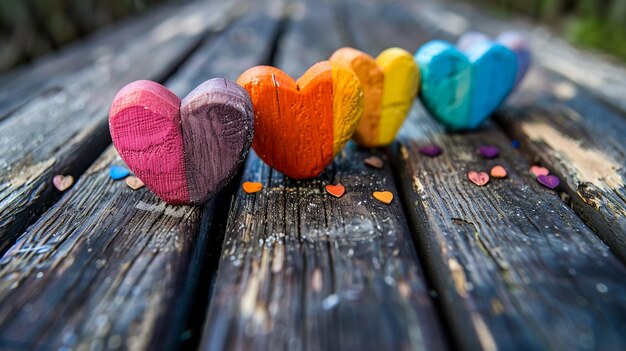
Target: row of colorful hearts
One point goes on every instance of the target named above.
(187, 150)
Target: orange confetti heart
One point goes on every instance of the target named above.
(478, 178)
(62, 182)
(252, 187)
(498, 172)
(383, 196)
(134, 182)
(539, 171)
(336, 190)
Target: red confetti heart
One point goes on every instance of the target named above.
(335, 190)
(549, 181)
(538, 171)
(478, 178)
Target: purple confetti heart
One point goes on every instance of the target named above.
(489, 151)
(430, 150)
(549, 181)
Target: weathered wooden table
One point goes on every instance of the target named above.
(511, 265)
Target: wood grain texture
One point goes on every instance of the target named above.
(109, 267)
(513, 266)
(64, 132)
(301, 125)
(579, 139)
(302, 269)
(184, 151)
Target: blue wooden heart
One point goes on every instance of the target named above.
(515, 41)
(461, 89)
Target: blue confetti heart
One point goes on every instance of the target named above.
(118, 172)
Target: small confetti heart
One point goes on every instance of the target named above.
(62, 182)
(478, 178)
(549, 181)
(488, 151)
(515, 144)
(430, 150)
(374, 161)
(134, 182)
(252, 187)
(383, 196)
(538, 171)
(118, 172)
(498, 172)
(335, 190)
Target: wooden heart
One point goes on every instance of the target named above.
(516, 41)
(390, 85)
(184, 151)
(461, 89)
(301, 125)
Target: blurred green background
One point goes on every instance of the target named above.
(597, 24)
(30, 28)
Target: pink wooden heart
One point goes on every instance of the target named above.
(184, 151)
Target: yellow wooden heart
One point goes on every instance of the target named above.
(390, 84)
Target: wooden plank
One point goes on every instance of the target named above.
(301, 269)
(586, 145)
(19, 86)
(513, 266)
(582, 141)
(64, 132)
(109, 267)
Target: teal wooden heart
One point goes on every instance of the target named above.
(461, 89)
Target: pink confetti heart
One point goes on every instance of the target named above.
(478, 178)
(549, 181)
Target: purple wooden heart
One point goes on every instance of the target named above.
(488, 152)
(218, 123)
(184, 151)
(549, 181)
(515, 41)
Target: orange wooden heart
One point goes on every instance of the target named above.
(335, 190)
(390, 83)
(301, 125)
